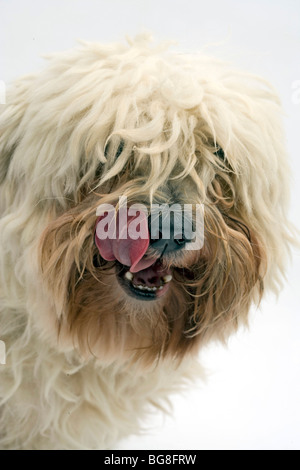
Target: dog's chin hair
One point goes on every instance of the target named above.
(124, 329)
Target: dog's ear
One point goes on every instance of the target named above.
(249, 128)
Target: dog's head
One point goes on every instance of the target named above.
(110, 122)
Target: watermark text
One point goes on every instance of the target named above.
(177, 222)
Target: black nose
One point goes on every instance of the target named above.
(172, 235)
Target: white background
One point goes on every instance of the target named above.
(251, 398)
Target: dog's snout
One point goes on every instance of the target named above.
(164, 245)
(168, 235)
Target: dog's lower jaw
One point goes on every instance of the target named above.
(149, 284)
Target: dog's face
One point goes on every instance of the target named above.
(146, 299)
(109, 122)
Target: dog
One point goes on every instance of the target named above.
(100, 329)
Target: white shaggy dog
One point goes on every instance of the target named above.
(96, 333)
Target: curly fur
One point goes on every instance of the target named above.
(85, 362)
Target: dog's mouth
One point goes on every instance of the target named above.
(149, 283)
(141, 275)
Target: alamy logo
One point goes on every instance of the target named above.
(2, 92)
(2, 352)
(182, 222)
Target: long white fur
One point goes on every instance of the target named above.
(53, 133)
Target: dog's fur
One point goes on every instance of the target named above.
(85, 361)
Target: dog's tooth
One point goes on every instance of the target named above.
(167, 278)
(129, 276)
(145, 288)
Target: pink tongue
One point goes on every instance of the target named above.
(127, 251)
(142, 264)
